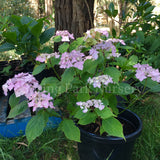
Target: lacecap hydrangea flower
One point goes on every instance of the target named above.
(25, 84)
(144, 70)
(91, 103)
(98, 81)
(66, 36)
(72, 59)
(107, 45)
(44, 56)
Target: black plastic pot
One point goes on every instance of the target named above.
(94, 147)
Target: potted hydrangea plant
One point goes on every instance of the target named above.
(85, 94)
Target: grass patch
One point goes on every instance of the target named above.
(148, 144)
(50, 146)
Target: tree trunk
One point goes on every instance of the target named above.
(48, 7)
(35, 5)
(76, 16)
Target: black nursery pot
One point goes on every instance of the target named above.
(94, 147)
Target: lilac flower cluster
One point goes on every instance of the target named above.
(72, 59)
(40, 100)
(25, 84)
(106, 45)
(97, 81)
(43, 57)
(65, 35)
(91, 103)
(144, 70)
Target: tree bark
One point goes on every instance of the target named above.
(76, 16)
(48, 7)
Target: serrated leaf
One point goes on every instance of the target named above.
(88, 118)
(90, 66)
(113, 127)
(114, 73)
(105, 113)
(68, 75)
(83, 94)
(70, 130)
(13, 100)
(63, 47)
(49, 81)
(76, 43)
(39, 69)
(18, 109)
(133, 60)
(153, 85)
(46, 35)
(36, 126)
(57, 39)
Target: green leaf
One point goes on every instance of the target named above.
(83, 94)
(88, 118)
(105, 113)
(63, 47)
(51, 85)
(76, 43)
(115, 13)
(108, 12)
(18, 109)
(111, 7)
(68, 75)
(57, 39)
(13, 100)
(114, 73)
(133, 60)
(121, 61)
(50, 81)
(10, 36)
(6, 47)
(140, 36)
(112, 102)
(120, 89)
(153, 85)
(70, 130)
(37, 29)
(113, 127)
(16, 20)
(36, 125)
(90, 66)
(155, 44)
(46, 35)
(39, 69)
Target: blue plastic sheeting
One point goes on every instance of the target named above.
(17, 128)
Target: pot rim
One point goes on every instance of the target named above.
(112, 139)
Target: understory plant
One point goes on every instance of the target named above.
(93, 74)
(26, 36)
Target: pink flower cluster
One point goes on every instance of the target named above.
(40, 100)
(144, 70)
(72, 59)
(65, 35)
(91, 103)
(43, 57)
(26, 84)
(106, 45)
(97, 81)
